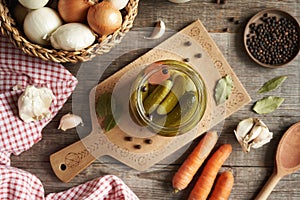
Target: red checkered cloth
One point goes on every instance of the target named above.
(17, 184)
(16, 136)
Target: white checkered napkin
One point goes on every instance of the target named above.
(16, 68)
(108, 187)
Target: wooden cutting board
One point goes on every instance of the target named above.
(187, 45)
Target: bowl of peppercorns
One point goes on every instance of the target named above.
(272, 38)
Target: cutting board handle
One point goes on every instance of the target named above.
(73, 159)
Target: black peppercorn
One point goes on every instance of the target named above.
(226, 30)
(128, 138)
(188, 43)
(165, 71)
(198, 55)
(144, 89)
(148, 141)
(186, 60)
(237, 22)
(231, 19)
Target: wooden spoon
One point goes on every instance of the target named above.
(287, 159)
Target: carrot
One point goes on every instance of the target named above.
(206, 180)
(223, 186)
(190, 166)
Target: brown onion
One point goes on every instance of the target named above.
(104, 19)
(74, 10)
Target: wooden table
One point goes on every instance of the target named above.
(250, 170)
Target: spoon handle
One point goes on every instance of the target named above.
(269, 186)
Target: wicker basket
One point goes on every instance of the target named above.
(8, 28)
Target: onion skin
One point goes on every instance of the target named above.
(74, 10)
(104, 19)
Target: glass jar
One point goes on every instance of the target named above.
(169, 97)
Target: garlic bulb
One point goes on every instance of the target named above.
(34, 103)
(69, 121)
(40, 23)
(33, 4)
(252, 133)
(119, 4)
(72, 36)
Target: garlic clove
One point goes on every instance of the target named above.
(34, 103)
(244, 127)
(158, 31)
(264, 138)
(255, 131)
(69, 121)
(244, 145)
(241, 132)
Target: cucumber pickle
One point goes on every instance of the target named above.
(155, 98)
(171, 99)
(183, 110)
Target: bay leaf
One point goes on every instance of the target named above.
(267, 104)
(223, 89)
(272, 84)
(109, 122)
(105, 105)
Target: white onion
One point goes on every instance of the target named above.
(119, 4)
(33, 4)
(40, 23)
(72, 36)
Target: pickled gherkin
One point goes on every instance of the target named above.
(171, 99)
(154, 99)
(182, 112)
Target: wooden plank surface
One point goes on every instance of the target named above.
(250, 170)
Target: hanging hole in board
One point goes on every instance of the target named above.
(63, 167)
